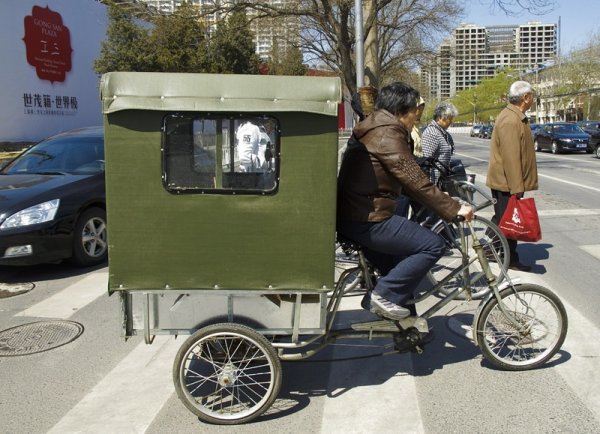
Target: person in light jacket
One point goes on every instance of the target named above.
(512, 167)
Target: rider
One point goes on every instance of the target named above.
(377, 166)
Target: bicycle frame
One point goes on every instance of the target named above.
(387, 328)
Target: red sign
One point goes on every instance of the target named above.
(48, 44)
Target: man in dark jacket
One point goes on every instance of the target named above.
(378, 165)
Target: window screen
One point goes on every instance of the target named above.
(221, 154)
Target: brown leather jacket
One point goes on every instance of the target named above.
(377, 166)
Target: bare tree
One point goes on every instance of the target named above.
(516, 7)
(406, 29)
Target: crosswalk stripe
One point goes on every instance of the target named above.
(65, 303)
(358, 409)
(593, 250)
(581, 370)
(386, 380)
(583, 351)
(130, 396)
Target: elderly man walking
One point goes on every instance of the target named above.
(512, 167)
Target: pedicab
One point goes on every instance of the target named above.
(221, 210)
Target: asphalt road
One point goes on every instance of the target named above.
(100, 383)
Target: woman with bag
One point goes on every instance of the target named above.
(512, 168)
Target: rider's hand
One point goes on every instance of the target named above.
(466, 212)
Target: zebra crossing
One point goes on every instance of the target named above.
(133, 394)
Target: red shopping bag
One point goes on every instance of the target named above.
(520, 220)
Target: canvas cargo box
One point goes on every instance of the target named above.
(186, 210)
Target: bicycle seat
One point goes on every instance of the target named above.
(348, 246)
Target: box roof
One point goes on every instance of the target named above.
(219, 93)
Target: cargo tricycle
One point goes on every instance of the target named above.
(221, 210)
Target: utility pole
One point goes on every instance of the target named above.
(367, 57)
(371, 44)
(359, 47)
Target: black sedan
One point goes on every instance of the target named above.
(561, 137)
(52, 202)
(593, 129)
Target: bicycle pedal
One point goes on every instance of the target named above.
(408, 340)
(382, 325)
(414, 321)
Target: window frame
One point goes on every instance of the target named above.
(223, 121)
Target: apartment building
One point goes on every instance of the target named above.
(475, 52)
(268, 33)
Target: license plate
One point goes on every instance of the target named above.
(581, 145)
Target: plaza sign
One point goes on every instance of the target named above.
(48, 44)
(48, 52)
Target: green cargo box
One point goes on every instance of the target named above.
(187, 209)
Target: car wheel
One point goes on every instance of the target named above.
(555, 148)
(536, 146)
(598, 151)
(90, 243)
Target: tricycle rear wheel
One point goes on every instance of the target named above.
(227, 374)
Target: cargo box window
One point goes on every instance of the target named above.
(220, 154)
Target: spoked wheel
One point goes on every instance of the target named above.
(535, 331)
(227, 374)
(555, 149)
(495, 247)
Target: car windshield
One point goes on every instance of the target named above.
(74, 155)
(567, 129)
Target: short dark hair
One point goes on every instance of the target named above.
(397, 98)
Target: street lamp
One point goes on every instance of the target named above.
(473, 103)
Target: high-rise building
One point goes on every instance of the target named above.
(268, 33)
(475, 52)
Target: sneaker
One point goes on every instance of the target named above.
(386, 308)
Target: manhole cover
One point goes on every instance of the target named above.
(36, 337)
(12, 289)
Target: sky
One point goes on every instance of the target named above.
(578, 19)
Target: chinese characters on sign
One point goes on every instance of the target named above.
(48, 44)
(43, 104)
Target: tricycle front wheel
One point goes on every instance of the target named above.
(227, 374)
(530, 335)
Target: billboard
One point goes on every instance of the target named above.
(48, 83)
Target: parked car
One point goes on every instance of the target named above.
(485, 132)
(535, 128)
(475, 130)
(561, 137)
(52, 201)
(593, 129)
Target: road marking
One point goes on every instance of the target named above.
(67, 302)
(580, 370)
(593, 250)
(378, 385)
(564, 181)
(541, 175)
(568, 212)
(128, 399)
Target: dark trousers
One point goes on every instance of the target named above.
(402, 250)
(499, 208)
